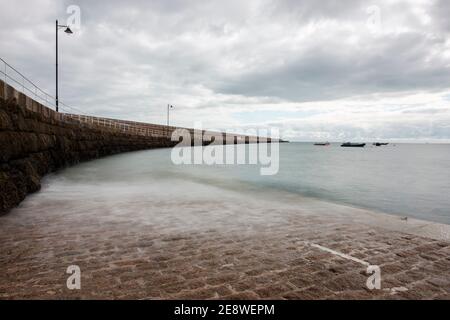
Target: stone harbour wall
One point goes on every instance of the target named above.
(35, 140)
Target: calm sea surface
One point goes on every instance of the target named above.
(404, 179)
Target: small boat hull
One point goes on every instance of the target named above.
(322, 144)
(353, 145)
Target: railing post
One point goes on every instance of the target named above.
(5, 78)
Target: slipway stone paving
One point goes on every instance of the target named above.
(179, 249)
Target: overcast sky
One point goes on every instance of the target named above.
(318, 70)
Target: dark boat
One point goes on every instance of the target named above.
(353, 145)
(322, 144)
(379, 144)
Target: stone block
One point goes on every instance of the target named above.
(2, 89)
(5, 121)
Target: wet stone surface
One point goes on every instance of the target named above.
(232, 250)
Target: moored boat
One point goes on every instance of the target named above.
(353, 145)
(322, 144)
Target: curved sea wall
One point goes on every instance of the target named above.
(36, 140)
(33, 144)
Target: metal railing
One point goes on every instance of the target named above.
(12, 77)
(17, 80)
(21, 83)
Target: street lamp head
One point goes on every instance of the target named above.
(68, 31)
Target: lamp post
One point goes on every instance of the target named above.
(169, 106)
(68, 31)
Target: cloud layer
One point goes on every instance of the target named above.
(316, 69)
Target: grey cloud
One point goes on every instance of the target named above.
(426, 110)
(392, 130)
(213, 58)
(332, 70)
(440, 12)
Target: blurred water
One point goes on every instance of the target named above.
(405, 179)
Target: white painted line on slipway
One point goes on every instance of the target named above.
(340, 254)
(393, 291)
